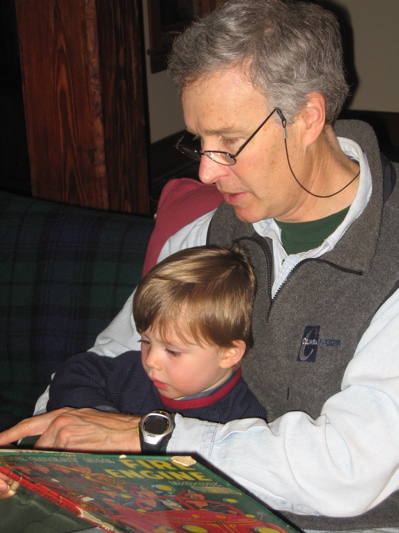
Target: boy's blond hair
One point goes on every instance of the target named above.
(203, 294)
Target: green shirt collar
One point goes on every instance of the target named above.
(299, 237)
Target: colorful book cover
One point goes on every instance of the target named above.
(140, 494)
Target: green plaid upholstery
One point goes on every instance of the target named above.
(65, 272)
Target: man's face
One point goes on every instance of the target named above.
(223, 110)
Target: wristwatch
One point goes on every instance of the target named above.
(155, 429)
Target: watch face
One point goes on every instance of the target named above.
(156, 424)
(155, 430)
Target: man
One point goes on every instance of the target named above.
(262, 83)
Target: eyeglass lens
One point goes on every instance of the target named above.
(224, 158)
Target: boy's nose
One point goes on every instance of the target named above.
(152, 360)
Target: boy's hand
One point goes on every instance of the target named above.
(82, 430)
(8, 487)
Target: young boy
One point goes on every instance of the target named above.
(193, 312)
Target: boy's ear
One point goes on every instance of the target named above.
(233, 354)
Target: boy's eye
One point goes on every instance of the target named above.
(173, 353)
(144, 341)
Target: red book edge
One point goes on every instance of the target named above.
(56, 498)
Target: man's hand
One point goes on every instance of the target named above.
(82, 430)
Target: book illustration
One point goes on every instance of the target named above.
(140, 494)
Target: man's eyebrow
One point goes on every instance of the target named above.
(219, 131)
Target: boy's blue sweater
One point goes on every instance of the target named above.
(121, 384)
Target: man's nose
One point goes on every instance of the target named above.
(209, 171)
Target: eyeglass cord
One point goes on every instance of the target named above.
(302, 186)
(284, 123)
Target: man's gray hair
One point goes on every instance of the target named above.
(287, 48)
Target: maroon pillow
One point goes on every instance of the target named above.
(182, 201)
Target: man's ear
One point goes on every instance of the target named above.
(233, 355)
(313, 117)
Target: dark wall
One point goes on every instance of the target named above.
(14, 160)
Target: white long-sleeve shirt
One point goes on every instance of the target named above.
(338, 464)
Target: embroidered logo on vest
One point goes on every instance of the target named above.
(311, 342)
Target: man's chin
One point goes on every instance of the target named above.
(244, 211)
(245, 215)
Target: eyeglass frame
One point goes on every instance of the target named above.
(196, 155)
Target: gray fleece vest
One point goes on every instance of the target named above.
(305, 337)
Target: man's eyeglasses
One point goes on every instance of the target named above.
(223, 158)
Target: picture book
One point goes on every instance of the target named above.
(140, 494)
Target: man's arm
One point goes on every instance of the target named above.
(341, 464)
(83, 430)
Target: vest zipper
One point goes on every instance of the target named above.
(261, 241)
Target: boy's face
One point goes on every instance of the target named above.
(179, 369)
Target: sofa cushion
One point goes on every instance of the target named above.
(65, 272)
(181, 202)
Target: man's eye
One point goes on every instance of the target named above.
(230, 142)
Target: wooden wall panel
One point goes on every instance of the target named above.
(124, 99)
(84, 102)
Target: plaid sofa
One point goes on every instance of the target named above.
(65, 272)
